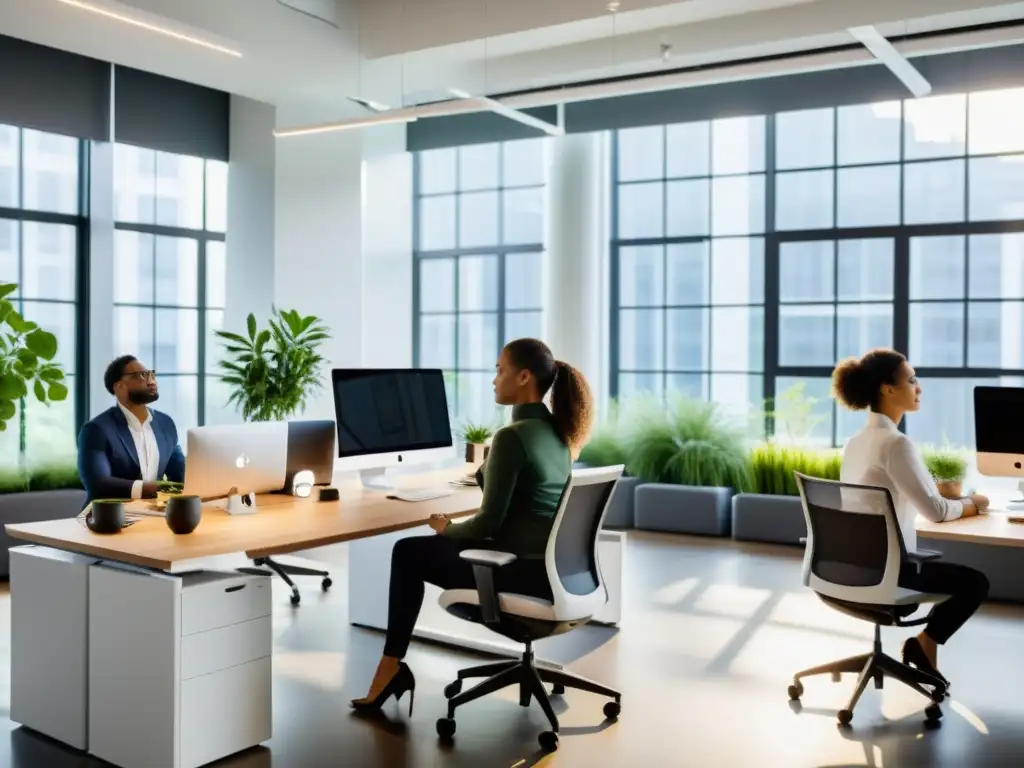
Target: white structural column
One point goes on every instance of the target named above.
(574, 300)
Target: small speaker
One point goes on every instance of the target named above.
(329, 494)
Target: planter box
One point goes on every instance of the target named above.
(622, 505)
(768, 518)
(34, 507)
(683, 509)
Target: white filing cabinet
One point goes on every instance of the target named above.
(49, 655)
(179, 666)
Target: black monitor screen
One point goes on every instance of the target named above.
(390, 411)
(999, 419)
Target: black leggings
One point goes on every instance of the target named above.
(417, 560)
(967, 588)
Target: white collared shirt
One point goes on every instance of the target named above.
(145, 445)
(881, 455)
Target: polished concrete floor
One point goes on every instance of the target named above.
(712, 632)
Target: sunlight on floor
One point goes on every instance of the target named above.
(777, 653)
(699, 637)
(731, 600)
(317, 669)
(806, 610)
(676, 592)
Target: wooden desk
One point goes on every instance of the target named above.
(281, 524)
(992, 528)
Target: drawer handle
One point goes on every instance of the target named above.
(235, 588)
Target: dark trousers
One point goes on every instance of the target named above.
(967, 588)
(418, 560)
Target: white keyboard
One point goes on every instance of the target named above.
(419, 494)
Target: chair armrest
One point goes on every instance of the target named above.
(485, 562)
(922, 556)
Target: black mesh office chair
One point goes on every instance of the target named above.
(852, 562)
(578, 593)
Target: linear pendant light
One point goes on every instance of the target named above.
(381, 118)
(107, 9)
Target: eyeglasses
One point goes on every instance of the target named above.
(141, 376)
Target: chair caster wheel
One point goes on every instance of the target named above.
(452, 690)
(940, 695)
(296, 598)
(326, 583)
(845, 716)
(557, 689)
(933, 712)
(796, 690)
(612, 710)
(548, 741)
(446, 728)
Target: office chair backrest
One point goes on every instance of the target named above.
(574, 571)
(854, 544)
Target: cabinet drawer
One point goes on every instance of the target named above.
(224, 601)
(217, 649)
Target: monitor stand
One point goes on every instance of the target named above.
(1017, 504)
(241, 503)
(376, 479)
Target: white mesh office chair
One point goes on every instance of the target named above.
(852, 562)
(579, 593)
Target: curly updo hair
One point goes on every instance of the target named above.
(857, 382)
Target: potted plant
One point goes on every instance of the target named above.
(476, 437)
(948, 468)
(273, 371)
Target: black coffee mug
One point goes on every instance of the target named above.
(183, 513)
(105, 516)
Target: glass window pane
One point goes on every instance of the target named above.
(861, 327)
(216, 196)
(523, 162)
(641, 210)
(177, 341)
(634, 384)
(935, 126)
(803, 410)
(524, 216)
(688, 208)
(49, 430)
(641, 153)
(933, 192)
(133, 333)
(937, 334)
(741, 399)
(937, 267)
(478, 341)
(133, 267)
(10, 272)
(805, 139)
(524, 281)
(58, 319)
(437, 341)
(478, 283)
(437, 223)
(478, 219)
(217, 409)
(997, 188)
(995, 334)
(737, 270)
(689, 148)
(805, 335)
(995, 120)
(48, 261)
(804, 200)
(9, 172)
(997, 266)
(737, 339)
(134, 184)
(687, 337)
(476, 399)
(216, 274)
(179, 190)
(688, 267)
(478, 166)
(179, 399)
(214, 347)
(437, 170)
(737, 145)
(807, 271)
(177, 271)
(737, 205)
(641, 339)
(865, 270)
(869, 133)
(523, 325)
(947, 410)
(869, 196)
(437, 285)
(692, 385)
(641, 276)
(50, 171)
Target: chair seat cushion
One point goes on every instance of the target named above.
(511, 603)
(907, 602)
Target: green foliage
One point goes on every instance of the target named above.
(477, 434)
(773, 466)
(45, 477)
(689, 442)
(795, 413)
(273, 371)
(607, 444)
(26, 360)
(945, 465)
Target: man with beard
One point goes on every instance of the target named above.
(127, 448)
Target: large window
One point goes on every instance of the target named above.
(479, 238)
(891, 224)
(40, 231)
(169, 273)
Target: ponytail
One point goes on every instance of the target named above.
(572, 407)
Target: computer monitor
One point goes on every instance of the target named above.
(999, 430)
(236, 462)
(390, 416)
(311, 453)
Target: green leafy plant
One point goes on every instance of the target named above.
(26, 360)
(54, 476)
(795, 413)
(687, 442)
(945, 466)
(476, 434)
(773, 465)
(607, 444)
(273, 372)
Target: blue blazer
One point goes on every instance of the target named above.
(108, 462)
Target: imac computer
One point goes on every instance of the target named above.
(999, 434)
(390, 416)
(311, 453)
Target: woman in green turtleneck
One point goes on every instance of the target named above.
(526, 471)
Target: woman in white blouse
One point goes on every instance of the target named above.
(883, 383)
